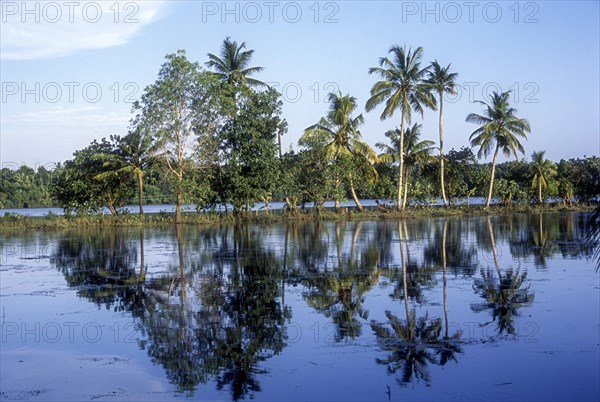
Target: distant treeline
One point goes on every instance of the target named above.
(571, 181)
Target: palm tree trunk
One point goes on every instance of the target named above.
(403, 262)
(405, 186)
(140, 178)
(444, 267)
(441, 96)
(142, 264)
(401, 166)
(493, 242)
(540, 189)
(489, 199)
(354, 197)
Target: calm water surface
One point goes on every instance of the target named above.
(486, 308)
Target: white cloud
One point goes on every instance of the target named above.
(45, 30)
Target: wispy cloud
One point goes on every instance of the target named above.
(82, 117)
(37, 30)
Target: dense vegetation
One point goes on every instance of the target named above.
(213, 137)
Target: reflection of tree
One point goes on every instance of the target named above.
(339, 293)
(413, 277)
(102, 265)
(536, 236)
(415, 342)
(503, 297)
(227, 318)
(592, 238)
(449, 245)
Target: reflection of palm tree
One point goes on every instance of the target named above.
(503, 297)
(413, 344)
(339, 293)
(592, 238)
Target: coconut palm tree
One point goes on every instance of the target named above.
(135, 152)
(345, 139)
(401, 87)
(233, 64)
(415, 151)
(499, 130)
(441, 81)
(542, 169)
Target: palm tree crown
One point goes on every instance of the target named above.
(344, 136)
(342, 129)
(233, 64)
(500, 127)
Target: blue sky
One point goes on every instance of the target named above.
(69, 70)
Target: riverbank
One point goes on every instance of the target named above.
(52, 221)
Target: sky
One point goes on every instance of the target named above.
(70, 70)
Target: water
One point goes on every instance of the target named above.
(498, 308)
(191, 208)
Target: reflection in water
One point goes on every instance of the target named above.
(339, 293)
(210, 304)
(504, 297)
(229, 316)
(413, 344)
(416, 342)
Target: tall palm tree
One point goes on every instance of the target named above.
(401, 87)
(543, 169)
(499, 127)
(136, 151)
(415, 151)
(233, 64)
(345, 137)
(441, 81)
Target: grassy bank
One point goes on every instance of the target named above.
(52, 221)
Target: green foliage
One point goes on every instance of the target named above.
(79, 184)
(582, 176)
(248, 168)
(25, 188)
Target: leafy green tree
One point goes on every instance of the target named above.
(441, 81)
(345, 139)
(79, 184)
(317, 178)
(580, 178)
(247, 145)
(499, 130)
(176, 110)
(233, 64)
(401, 87)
